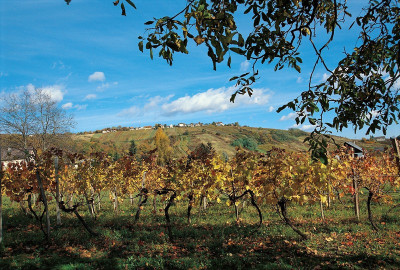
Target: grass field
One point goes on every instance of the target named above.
(213, 241)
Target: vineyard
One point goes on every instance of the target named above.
(278, 209)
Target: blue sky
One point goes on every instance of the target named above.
(86, 55)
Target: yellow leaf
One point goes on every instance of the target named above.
(199, 40)
(323, 199)
(329, 239)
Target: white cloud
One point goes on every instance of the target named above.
(396, 84)
(290, 116)
(97, 76)
(80, 107)
(66, 78)
(30, 87)
(325, 76)
(67, 106)
(156, 101)
(374, 114)
(299, 79)
(90, 96)
(307, 127)
(271, 109)
(130, 112)
(304, 127)
(59, 65)
(214, 100)
(104, 86)
(152, 107)
(244, 66)
(55, 92)
(210, 101)
(3, 74)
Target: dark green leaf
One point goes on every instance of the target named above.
(141, 46)
(131, 3)
(233, 98)
(123, 9)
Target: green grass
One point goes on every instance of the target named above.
(213, 241)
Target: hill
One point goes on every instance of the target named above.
(185, 139)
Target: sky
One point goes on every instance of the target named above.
(86, 55)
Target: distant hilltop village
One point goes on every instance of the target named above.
(156, 126)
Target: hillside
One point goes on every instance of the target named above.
(185, 139)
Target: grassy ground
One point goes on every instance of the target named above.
(185, 139)
(212, 241)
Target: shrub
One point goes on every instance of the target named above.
(297, 132)
(282, 136)
(247, 143)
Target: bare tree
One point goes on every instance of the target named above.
(33, 120)
(51, 121)
(17, 118)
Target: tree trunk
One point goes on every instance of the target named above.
(98, 202)
(282, 205)
(24, 210)
(71, 200)
(370, 195)
(144, 194)
(356, 199)
(89, 205)
(233, 200)
(396, 148)
(31, 208)
(322, 209)
(115, 201)
(254, 203)
(189, 209)
(46, 208)
(57, 192)
(171, 200)
(155, 204)
(131, 198)
(74, 209)
(34, 199)
(140, 203)
(84, 223)
(201, 204)
(329, 195)
(205, 203)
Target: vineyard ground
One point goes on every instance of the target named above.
(212, 241)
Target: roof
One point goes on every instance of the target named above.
(353, 145)
(8, 154)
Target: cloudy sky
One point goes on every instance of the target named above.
(86, 56)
